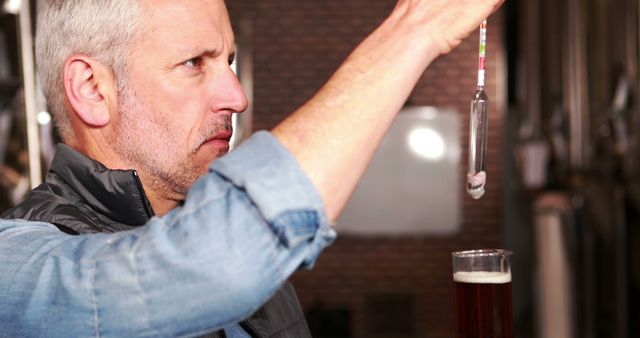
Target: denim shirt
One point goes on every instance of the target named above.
(242, 231)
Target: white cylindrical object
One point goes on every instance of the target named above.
(30, 95)
(553, 273)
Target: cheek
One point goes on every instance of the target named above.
(178, 107)
(168, 93)
(183, 127)
(178, 110)
(187, 103)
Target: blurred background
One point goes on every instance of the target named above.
(563, 184)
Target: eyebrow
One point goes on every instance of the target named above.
(196, 52)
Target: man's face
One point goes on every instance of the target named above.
(177, 99)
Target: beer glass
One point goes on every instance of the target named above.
(482, 293)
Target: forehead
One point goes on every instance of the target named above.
(186, 24)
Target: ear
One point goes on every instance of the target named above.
(90, 89)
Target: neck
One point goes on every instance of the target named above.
(160, 196)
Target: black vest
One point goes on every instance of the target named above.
(82, 196)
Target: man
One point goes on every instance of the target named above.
(143, 94)
(165, 115)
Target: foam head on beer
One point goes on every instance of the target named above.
(482, 277)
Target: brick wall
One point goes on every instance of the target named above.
(296, 47)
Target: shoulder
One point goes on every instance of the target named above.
(48, 203)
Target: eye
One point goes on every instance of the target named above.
(195, 62)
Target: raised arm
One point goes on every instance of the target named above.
(334, 135)
(207, 264)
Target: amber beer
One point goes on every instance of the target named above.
(482, 293)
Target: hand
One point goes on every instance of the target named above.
(444, 22)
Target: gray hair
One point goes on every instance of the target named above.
(99, 29)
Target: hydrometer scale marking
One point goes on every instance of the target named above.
(476, 174)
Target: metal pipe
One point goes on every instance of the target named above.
(533, 69)
(30, 96)
(576, 85)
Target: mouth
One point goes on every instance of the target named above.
(224, 135)
(219, 140)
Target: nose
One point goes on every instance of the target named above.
(227, 93)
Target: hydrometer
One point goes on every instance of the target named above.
(476, 174)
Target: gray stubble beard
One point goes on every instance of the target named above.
(171, 177)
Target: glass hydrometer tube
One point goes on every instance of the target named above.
(476, 173)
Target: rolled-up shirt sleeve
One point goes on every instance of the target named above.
(242, 231)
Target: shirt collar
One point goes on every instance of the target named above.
(117, 194)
